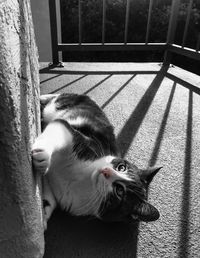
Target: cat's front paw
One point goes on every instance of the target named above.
(41, 160)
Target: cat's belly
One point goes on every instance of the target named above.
(75, 184)
(71, 184)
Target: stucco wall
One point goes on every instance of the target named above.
(21, 231)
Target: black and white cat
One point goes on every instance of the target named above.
(82, 167)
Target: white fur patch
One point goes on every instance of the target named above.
(49, 112)
(77, 121)
(74, 185)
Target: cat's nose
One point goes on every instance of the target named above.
(107, 172)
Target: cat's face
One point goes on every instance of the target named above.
(124, 190)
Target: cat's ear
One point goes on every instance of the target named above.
(148, 174)
(145, 212)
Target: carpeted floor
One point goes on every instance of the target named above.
(156, 115)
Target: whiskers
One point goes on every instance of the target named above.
(105, 196)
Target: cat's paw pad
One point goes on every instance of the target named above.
(41, 160)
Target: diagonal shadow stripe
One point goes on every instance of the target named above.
(185, 209)
(49, 79)
(70, 83)
(184, 83)
(128, 132)
(99, 83)
(117, 92)
(159, 138)
(95, 72)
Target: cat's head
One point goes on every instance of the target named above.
(124, 190)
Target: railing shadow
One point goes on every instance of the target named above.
(49, 79)
(184, 230)
(83, 73)
(117, 92)
(93, 237)
(99, 83)
(69, 236)
(159, 137)
(183, 83)
(68, 84)
(62, 71)
(128, 132)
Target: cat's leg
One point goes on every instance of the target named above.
(49, 202)
(55, 137)
(44, 99)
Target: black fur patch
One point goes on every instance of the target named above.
(95, 137)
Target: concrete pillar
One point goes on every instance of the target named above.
(21, 231)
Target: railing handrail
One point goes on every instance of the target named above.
(167, 46)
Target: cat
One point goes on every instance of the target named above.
(83, 172)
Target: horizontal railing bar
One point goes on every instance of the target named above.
(119, 43)
(111, 46)
(188, 52)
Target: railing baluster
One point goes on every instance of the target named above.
(103, 21)
(198, 43)
(171, 30)
(79, 23)
(126, 21)
(187, 22)
(59, 29)
(173, 21)
(149, 20)
(54, 33)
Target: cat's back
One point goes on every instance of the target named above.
(78, 110)
(83, 115)
(75, 109)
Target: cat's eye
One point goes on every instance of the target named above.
(121, 167)
(119, 190)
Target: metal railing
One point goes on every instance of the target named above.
(169, 46)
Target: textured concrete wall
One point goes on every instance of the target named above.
(21, 233)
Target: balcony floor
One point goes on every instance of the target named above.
(156, 115)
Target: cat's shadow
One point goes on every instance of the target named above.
(69, 236)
